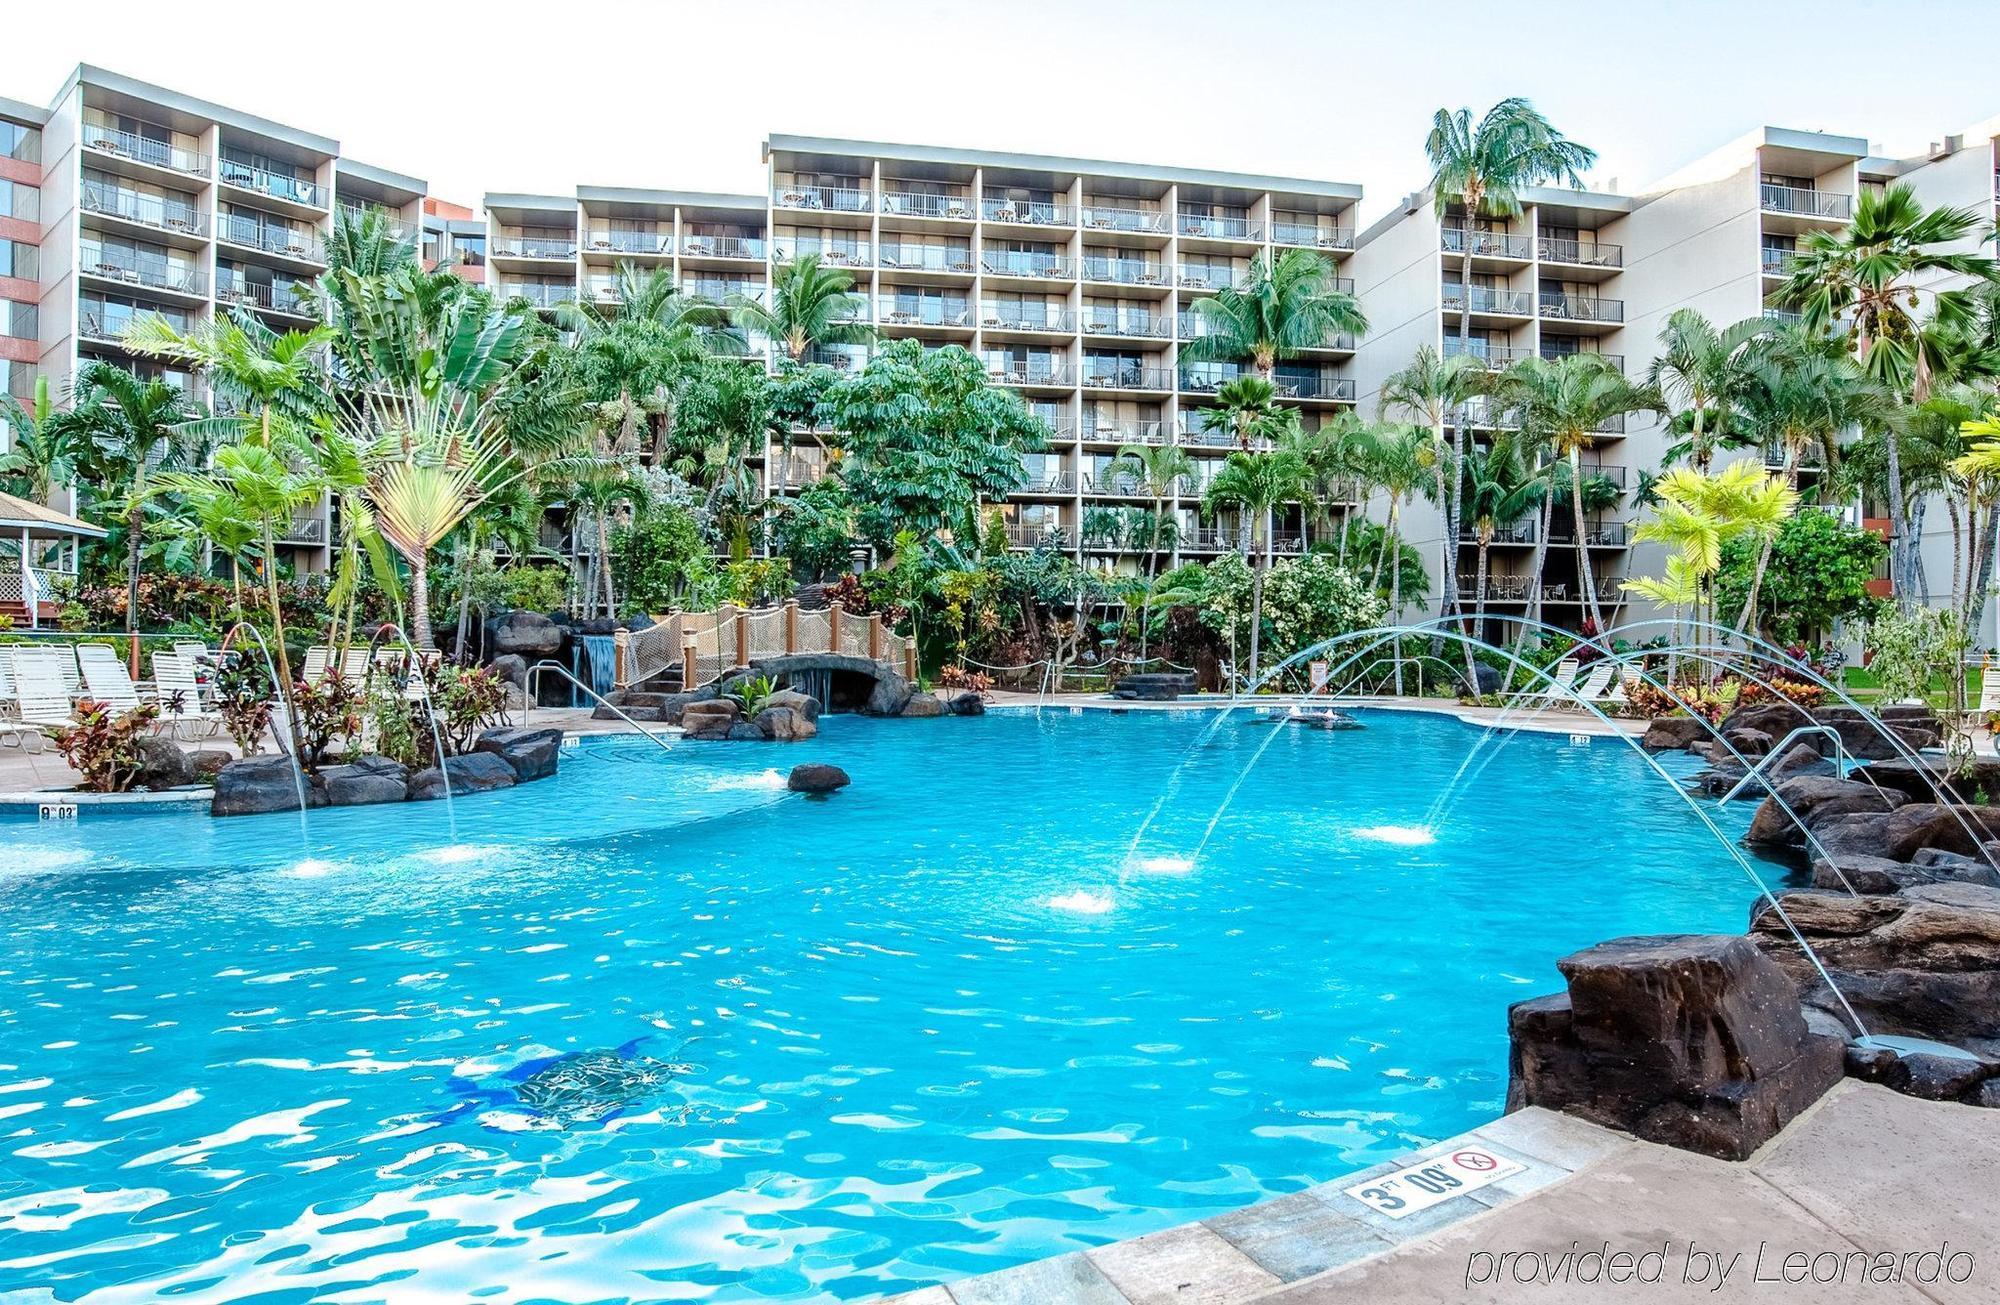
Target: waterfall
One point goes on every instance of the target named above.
(602, 652)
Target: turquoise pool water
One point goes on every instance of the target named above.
(658, 1030)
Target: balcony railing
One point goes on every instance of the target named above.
(1100, 375)
(278, 185)
(927, 258)
(723, 247)
(273, 298)
(1784, 316)
(1123, 271)
(305, 530)
(631, 242)
(1310, 236)
(1098, 217)
(146, 210)
(911, 203)
(856, 254)
(1207, 377)
(1220, 228)
(1583, 253)
(541, 296)
(1487, 299)
(154, 276)
(536, 247)
(1126, 432)
(249, 232)
(1582, 308)
(1113, 482)
(717, 291)
(1023, 317)
(1778, 262)
(1617, 360)
(1032, 371)
(1484, 412)
(1806, 203)
(129, 145)
(830, 199)
(1493, 355)
(924, 312)
(1605, 534)
(1614, 425)
(1049, 482)
(797, 472)
(1313, 385)
(1011, 263)
(1521, 532)
(1210, 278)
(1207, 539)
(1033, 534)
(1605, 471)
(1485, 244)
(1124, 325)
(1025, 212)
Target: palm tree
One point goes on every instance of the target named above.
(1697, 514)
(1402, 460)
(1499, 491)
(810, 306)
(1429, 390)
(43, 445)
(1326, 457)
(1702, 374)
(1480, 170)
(1278, 312)
(1562, 403)
(1247, 407)
(606, 488)
(1160, 470)
(1875, 274)
(130, 423)
(633, 353)
(1254, 484)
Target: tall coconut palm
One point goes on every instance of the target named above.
(1278, 312)
(1500, 491)
(810, 306)
(1429, 391)
(1562, 403)
(1254, 484)
(632, 354)
(1327, 458)
(132, 424)
(1160, 470)
(1702, 374)
(1876, 273)
(1481, 169)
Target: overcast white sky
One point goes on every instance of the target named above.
(679, 94)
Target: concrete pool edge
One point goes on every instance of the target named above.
(1476, 717)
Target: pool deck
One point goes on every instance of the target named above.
(1864, 1171)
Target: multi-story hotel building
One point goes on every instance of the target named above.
(1073, 279)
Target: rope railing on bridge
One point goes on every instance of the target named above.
(707, 646)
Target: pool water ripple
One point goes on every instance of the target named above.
(656, 1029)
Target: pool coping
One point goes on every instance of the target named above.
(1465, 715)
(202, 794)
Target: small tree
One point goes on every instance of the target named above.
(1818, 574)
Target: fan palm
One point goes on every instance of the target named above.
(1254, 484)
(1279, 311)
(1428, 391)
(1702, 373)
(1480, 169)
(810, 306)
(1248, 408)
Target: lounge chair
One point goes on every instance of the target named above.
(180, 698)
(105, 679)
(1591, 691)
(318, 658)
(1563, 678)
(1989, 691)
(354, 666)
(40, 701)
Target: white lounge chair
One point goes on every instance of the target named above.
(1591, 691)
(39, 699)
(354, 666)
(318, 658)
(105, 679)
(181, 707)
(1561, 680)
(1989, 691)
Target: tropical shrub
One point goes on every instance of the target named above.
(399, 732)
(756, 580)
(466, 700)
(752, 695)
(103, 745)
(243, 691)
(1910, 648)
(1818, 575)
(963, 677)
(662, 561)
(1795, 691)
(817, 529)
(329, 708)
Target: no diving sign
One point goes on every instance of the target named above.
(1420, 1186)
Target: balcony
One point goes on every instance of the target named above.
(150, 274)
(1778, 262)
(1614, 425)
(928, 258)
(1582, 253)
(1102, 374)
(1123, 271)
(1484, 412)
(1313, 385)
(140, 149)
(1028, 213)
(269, 297)
(1521, 532)
(1801, 202)
(855, 254)
(746, 247)
(1036, 534)
(274, 185)
(1122, 483)
(911, 203)
(537, 248)
(1027, 317)
(797, 472)
(1605, 471)
(718, 291)
(1784, 316)
(925, 312)
(540, 296)
(1048, 482)
(144, 210)
(631, 242)
(305, 530)
(1047, 267)
(1493, 355)
(1307, 235)
(1208, 377)
(1030, 371)
(1146, 221)
(1605, 534)
(1616, 360)
(252, 234)
(825, 199)
(1220, 228)
(1206, 539)
(1485, 244)
(1487, 299)
(1211, 278)
(1124, 325)
(1126, 432)
(1582, 308)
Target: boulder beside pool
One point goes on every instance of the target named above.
(817, 777)
(255, 785)
(470, 772)
(531, 752)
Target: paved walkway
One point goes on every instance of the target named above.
(1865, 1172)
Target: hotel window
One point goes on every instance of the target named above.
(19, 142)
(21, 321)
(18, 259)
(19, 201)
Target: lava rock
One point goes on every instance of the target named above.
(469, 772)
(784, 724)
(206, 762)
(1691, 1040)
(889, 696)
(1936, 1078)
(1866, 874)
(533, 753)
(1928, 781)
(816, 777)
(923, 705)
(527, 635)
(1154, 686)
(647, 706)
(744, 731)
(163, 765)
(967, 704)
(710, 719)
(1813, 799)
(1869, 1064)
(255, 785)
(804, 704)
(1750, 743)
(366, 780)
(1667, 733)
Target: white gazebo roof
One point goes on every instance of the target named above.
(19, 514)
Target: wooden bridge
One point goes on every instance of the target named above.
(699, 648)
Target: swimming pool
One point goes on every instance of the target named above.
(657, 1029)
